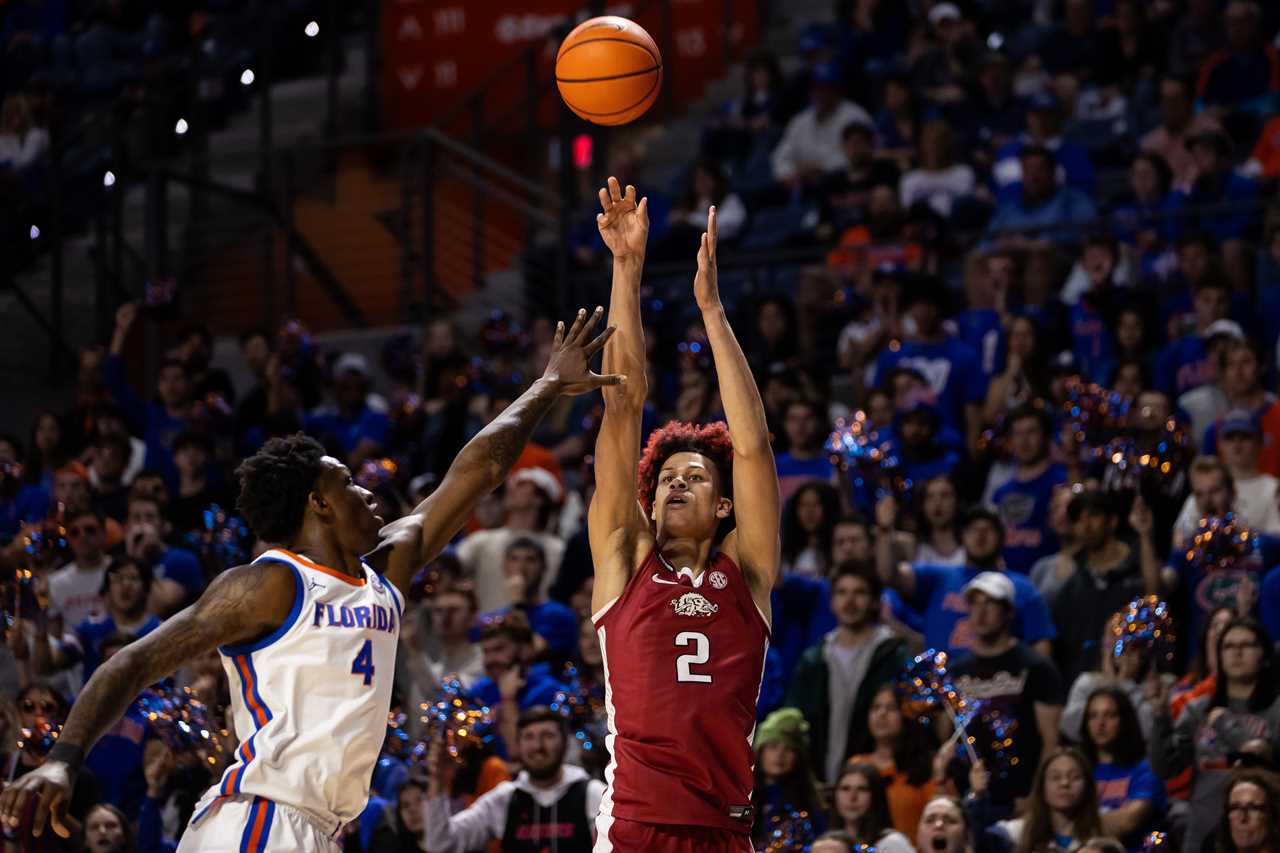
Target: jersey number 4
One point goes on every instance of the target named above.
(363, 664)
(701, 654)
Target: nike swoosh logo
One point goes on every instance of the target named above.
(660, 580)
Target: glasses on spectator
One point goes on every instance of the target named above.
(45, 706)
(1240, 647)
(1247, 809)
(75, 532)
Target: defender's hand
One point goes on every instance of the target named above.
(570, 364)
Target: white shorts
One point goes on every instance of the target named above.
(248, 824)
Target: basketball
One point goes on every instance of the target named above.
(609, 70)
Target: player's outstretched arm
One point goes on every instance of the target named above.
(754, 543)
(242, 604)
(483, 464)
(615, 525)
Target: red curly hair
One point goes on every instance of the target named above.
(711, 440)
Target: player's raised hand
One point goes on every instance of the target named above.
(706, 285)
(43, 795)
(570, 364)
(623, 224)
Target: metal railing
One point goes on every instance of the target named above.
(355, 231)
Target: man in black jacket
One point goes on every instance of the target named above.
(836, 678)
(550, 806)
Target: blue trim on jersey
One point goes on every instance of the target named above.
(248, 660)
(298, 594)
(248, 826)
(395, 594)
(244, 765)
(204, 811)
(246, 751)
(259, 806)
(266, 829)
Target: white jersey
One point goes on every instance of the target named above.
(310, 700)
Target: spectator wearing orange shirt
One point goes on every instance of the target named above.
(1264, 161)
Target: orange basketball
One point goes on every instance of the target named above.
(609, 70)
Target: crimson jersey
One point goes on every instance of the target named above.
(683, 660)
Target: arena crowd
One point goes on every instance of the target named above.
(1025, 381)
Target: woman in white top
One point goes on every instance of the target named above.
(937, 528)
(1062, 812)
(808, 524)
(707, 187)
(939, 180)
(936, 540)
(860, 807)
(22, 141)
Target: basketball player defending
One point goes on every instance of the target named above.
(682, 615)
(307, 632)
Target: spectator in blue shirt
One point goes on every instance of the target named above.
(938, 591)
(159, 422)
(1142, 219)
(994, 115)
(1131, 799)
(179, 578)
(134, 767)
(981, 325)
(1269, 288)
(524, 563)
(1044, 130)
(1056, 214)
(1094, 316)
(1023, 502)
(125, 588)
(949, 366)
(917, 447)
(1220, 201)
(506, 647)
(1248, 69)
(804, 460)
(20, 502)
(1185, 363)
(1198, 260)
(351, 424)
(1200, 588)
(801, 607)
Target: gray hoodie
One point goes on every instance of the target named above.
(1195, 742)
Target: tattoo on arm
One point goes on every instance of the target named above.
(505, 446)
(502, 441)
(231, 610)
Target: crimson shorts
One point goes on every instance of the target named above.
(616, 835)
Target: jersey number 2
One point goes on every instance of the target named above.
(701, 654)
(363, 664)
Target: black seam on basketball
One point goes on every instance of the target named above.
(657, 60)
(614, 27)
(656, 83)
(623, 76)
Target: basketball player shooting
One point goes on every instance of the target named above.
(682, 616)
(307, 632)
